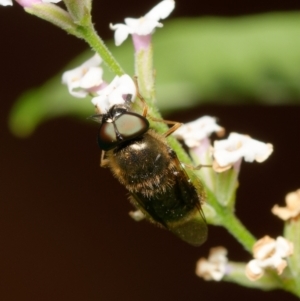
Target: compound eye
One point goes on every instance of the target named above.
(107, 138)
(131, 125)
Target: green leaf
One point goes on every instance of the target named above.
(46, 102)
(253, 59)
(228, 59)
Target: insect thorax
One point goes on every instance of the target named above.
(143, 164)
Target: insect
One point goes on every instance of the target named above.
(159, 186)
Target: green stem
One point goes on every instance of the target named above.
(237, 275)
(243, 236)
(146, 77)
(228, 220)
(237, 229)
(144, 72)
(89, 34)
(292, 233)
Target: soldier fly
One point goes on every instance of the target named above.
(159, 186)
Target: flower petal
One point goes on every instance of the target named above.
(253, 270)
(269, 253)
(229, 151)
(292, 208)
(284, 247)
(142, 26)
(282, 212)
(115, 93)
(194, 132)
(92, 78)
(214, 267)
(121, 32)
(293, 200)
(145, 25)
(85, 78)
(6, 2)
(162, 10)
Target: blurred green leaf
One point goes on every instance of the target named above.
(252, 59)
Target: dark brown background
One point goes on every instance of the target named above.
(64, 229)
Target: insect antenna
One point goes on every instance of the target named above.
(97, 117)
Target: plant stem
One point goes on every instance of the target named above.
(228, 220)
(292, 233)
(237, 229)
(89, 34)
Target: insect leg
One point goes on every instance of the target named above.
(175, 124)
(197, 167)
(103, 162)
(172, 129)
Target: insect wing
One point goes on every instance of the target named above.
(191, 226)
(193, 230)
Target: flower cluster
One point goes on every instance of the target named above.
(269, 253)
(225, 153)
(214, 267)
(141, 29)
(87, 79)
(230, 151)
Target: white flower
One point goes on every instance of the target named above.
(292, 208)
(144, 25)
(27, 3)
(193, 133)
(6, 2)
(229, 151)
(268, 253)
(85, 78)
(213, 268)
(115, 93)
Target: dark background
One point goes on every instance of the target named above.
(65, 233)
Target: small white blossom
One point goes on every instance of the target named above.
(27, 3)
(85, 78)
(213, 268)
(6, 2)
(229, 151)
(115, 93)
(292, 208)
(268, 253)
(145, 25)
(193, 133)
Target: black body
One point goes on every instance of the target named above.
(150, 170)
